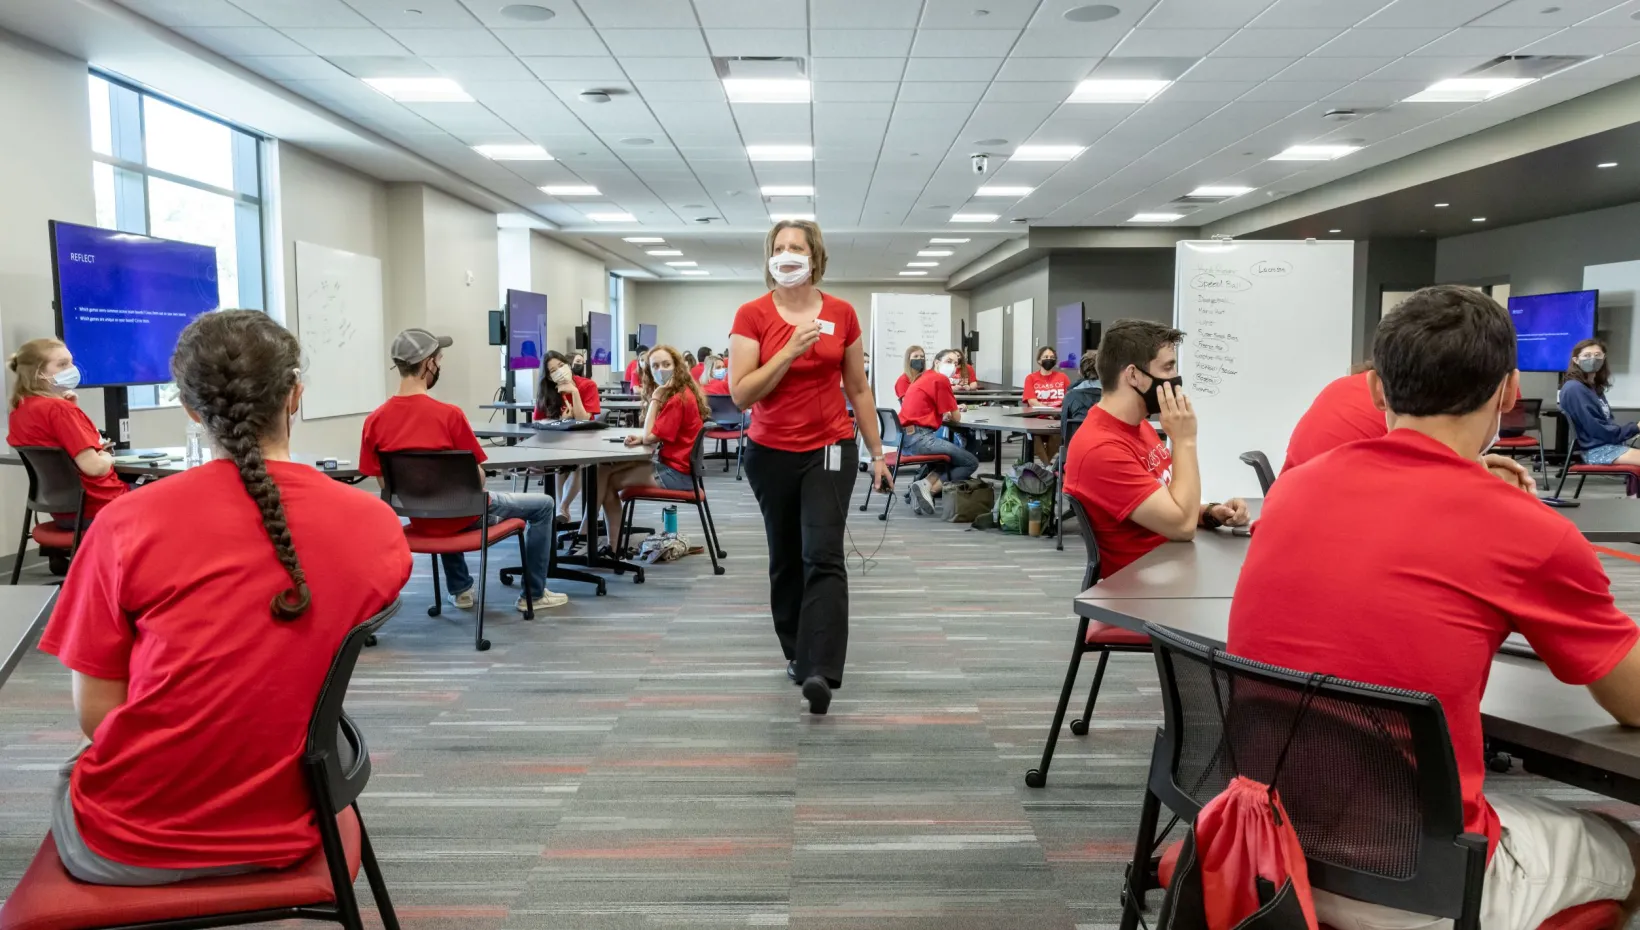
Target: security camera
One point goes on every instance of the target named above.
(980, 162)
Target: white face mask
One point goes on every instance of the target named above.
(661, 375)
(947, 368)
(66, 380)
(789, 269)
(560, 375)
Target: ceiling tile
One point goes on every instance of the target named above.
(1426, 69)
(1209, 90)
(234, 41)
(1365, 43)
(952, 69)
(1487, 42)
(570, 42)
(1620, 17)
(1235, 69)
(1294, 91)
(759, 42)
(1331, 69)
(1066, 43)
(383, 66)
(960, 14)
(1377, 93)
(856, 91)
(489, 13)
(200, 14)
(1055, 91)
(293, 67)
(942, 91)
(1423, 13)
(960, 43)
(1018, 68)
(1198, 14)
(861, 43)
(653, 43)
(450, 42)
(575, 69)
(1296, 14)
(864, 14)
(481, 69)
(654, 91)
(1157, 43)
(280, 13)
(629, 14)
(347, 41)
(1538, 13)
(1279, 43)
(1582, 41)
(425, 14)
(832, 70)
(669, 69)
(487, 92)
(752, 14)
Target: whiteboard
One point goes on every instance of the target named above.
(1619, 287)
(898, 322)
(988, 365)
(1267, 326)
(1024, 335)
(339, 322)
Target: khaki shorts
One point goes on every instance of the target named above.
(1549, 858)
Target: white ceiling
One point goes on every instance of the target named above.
(904, 90)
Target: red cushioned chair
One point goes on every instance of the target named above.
(888, 427)
(723, 410)
(697, 466)
(53, 487)
(446, 484)
(1629, 473)
(337, 765)
(1525, 417)
(1091, 636)
(1366, 774)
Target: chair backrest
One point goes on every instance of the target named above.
(53, 480)
(1261, 467)
(1524, 415)
(445, 483)
(1067, 430)
(1090, 542)
(722, 409)
(1368, 780)
(888, 426)
(697, 461)
(336, 755)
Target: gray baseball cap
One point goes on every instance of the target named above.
(413, 346)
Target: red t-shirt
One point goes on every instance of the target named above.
(695, 371)
(902, 385)
(632, 373)
(677, 424)
(1113, 468)
(1421, 593)
(201, 766)
(717, 386)
(59, 422)
(805, 411)
(1047, 387)
(589, 395)
(927, 402)
(1342, 412)
(418, 423)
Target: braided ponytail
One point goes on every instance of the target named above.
(235, 368)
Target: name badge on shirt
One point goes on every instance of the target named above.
(827, 327)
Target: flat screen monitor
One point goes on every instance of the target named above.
(123, 299)
(646, 334)
(1067, 335)
(602, 339)
(526, 329)
(1548, 325)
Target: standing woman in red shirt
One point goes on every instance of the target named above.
(44, 412)
(200, 618)
(789, 351)
(916, 360)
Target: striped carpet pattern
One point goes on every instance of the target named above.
(640, 760)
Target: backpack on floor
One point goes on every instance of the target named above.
(963, 501)
(1013, 510)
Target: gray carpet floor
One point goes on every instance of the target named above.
(639, 760)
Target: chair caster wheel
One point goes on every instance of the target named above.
(483, 645)
(1079, 727)
(58, 565)
(862, 508)
(507, 578)
(719, 570)
(883, 516)
(638, 578)
(1499, 762)
(370, 640)
(1035, 779)
(722, 554)
(434, 610)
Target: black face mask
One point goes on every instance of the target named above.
(432, 377)
(1048, 363)
(1153, 400)
(918, 364)
(578, 370)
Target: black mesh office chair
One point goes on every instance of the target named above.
(1513, 432)
(1369, 779)
(1067, 429)
(1261, 466)
(53, 487)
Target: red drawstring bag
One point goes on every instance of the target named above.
(1245, 842)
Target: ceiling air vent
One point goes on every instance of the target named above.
(764, 68)
(1532, 67)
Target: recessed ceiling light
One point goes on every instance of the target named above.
(1156, 217)
(766, 90)
(1442, 206)
(912, 274)
(1314, 152)
(570, 190)
(662, 253)
(1607, 164)
(780, 152)
(1092, 13)
(1046, 152)
(420, 90)
(1334, 231)
(1220, 190)
(513, 152)
(682, 264)
(694, 272)
(1002, 190)
(783, 217)
(612, 217)
(643, 240)
(527, 12)
(934, 253)
(1468, 90)
(1116, 90)
(922, 264)
(1478, 219)
(950, 241)
(973, 217)
(788, 190)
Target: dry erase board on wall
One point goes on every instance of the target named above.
(339, 322)
(898, 322)
(1267, 325)
(1619, 287)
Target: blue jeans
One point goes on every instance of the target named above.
(537, 512)
(927, 442)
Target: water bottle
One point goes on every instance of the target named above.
(194, 452)
(669, 520)
(1033, 517)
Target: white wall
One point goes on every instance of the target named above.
(567, 276)
(460, 271)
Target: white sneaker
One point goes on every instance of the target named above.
(921, 497)
(546, 601)
(465, 600)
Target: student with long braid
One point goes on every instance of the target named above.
(200, 617)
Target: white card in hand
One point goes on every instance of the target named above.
(827, 327)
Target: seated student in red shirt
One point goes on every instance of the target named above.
(634, 367)
(676, 413)
(45, 412)
(562, 395)
(698, 372)
(200, 618)
(584, 385)
(414, 420)
(915, 362)
(928, 405)
(1421, 595)
(1137, 493)
(716, 370)
(1046, 388)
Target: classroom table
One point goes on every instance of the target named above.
(23, 612)
(1002, 425)
(589, 449)
(987, 397)
(512, 432)
(513, 408)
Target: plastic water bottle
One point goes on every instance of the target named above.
(194, 452)
(1033, 517)
(669, 520)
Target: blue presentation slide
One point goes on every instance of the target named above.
(526, 329)
(598, 327)
(1067, 338)
(1548, 325)
(124, 299)
(647, 334)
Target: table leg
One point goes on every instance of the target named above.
(589, 503)
(999, 455)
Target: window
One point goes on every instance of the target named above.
(617, 322)
(161, 169)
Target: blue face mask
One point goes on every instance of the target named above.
(662, 375)
(720, 374)
(66, 380)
